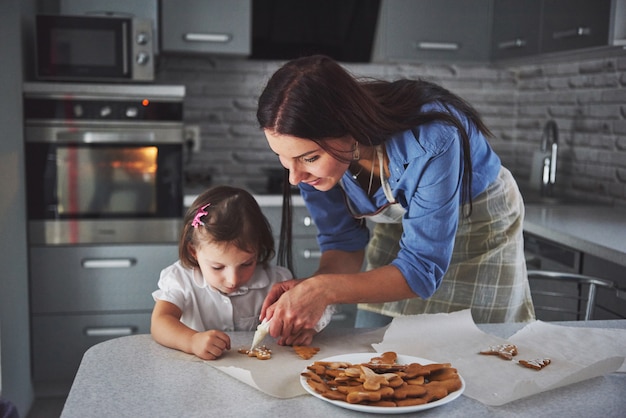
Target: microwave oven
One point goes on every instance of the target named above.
(94, 48)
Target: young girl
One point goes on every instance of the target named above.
(222, 277)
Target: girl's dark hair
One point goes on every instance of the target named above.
(316, 98)
(233, 216)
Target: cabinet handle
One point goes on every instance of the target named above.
(109, 332)
(572, 33)
(307, 221)
(308, 254)
(110, 263)
(208, 37)
(440, 46)
(512, 44)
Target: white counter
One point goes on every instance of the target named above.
(136, 377)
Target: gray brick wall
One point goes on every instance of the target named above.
(586, 98)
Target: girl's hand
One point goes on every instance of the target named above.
(210, 345)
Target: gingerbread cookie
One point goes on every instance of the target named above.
(504, 351)
(305, 352)
(261, 352)
(536, 364)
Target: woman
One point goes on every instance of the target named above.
(411, 157)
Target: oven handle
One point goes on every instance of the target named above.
(105, 137)
(108, 263)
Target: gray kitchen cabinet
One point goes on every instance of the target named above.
(206, 26)
(609, 306)
(516, 28)
(545, 254)
(443, 30)
(306, 253)
(575, 24)
(534, 27)
(83, 295)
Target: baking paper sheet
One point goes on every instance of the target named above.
(576, 353)
(280, 375)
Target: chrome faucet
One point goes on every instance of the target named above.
(549, 146)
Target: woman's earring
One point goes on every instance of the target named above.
(356, 154)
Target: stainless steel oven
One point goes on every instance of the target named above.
(103, 163)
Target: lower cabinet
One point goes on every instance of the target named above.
(609, 305)
(543, 254)
(59, 341)
(82, 295)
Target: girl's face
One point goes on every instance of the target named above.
(224, 266)
(307, 162)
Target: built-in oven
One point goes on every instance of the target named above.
(104, 196)
(103, 163)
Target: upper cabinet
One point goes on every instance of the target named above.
(516, 28)
(575, 24)
(533, 27)
(442, 30)
(206, 26)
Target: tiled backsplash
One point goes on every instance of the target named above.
(586, 98)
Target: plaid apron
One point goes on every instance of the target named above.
(487, 273)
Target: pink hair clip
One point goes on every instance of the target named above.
(201, 212)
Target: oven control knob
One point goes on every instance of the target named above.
(142, 38)
(105, 112)
(131, 112)
(142, 58)
(78, 111)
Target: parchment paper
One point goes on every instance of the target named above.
(576, 353)
(280, 375)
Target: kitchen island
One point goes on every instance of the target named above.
(136, 377)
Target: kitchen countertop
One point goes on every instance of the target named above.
(592, 229)
(136, 377)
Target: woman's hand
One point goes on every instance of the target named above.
(298, 308)
(304, 337)
(274, 294)
(209, 345)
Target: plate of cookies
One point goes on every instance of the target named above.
(384, 383)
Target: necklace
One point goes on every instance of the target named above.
(355, 176)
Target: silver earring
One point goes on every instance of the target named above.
(356, 154)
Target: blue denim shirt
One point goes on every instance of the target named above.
(426, 169)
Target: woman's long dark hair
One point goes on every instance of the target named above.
(316, 98)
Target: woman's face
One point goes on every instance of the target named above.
(307, 162)
(224, 266)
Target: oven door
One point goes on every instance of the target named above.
(104, 186)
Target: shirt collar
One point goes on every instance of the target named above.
(259, 280)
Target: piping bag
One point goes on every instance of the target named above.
(261, 332)
(263, 328)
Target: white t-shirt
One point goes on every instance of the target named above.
(205, 308)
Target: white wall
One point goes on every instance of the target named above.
(15, 381)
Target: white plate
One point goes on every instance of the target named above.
(357, 358)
